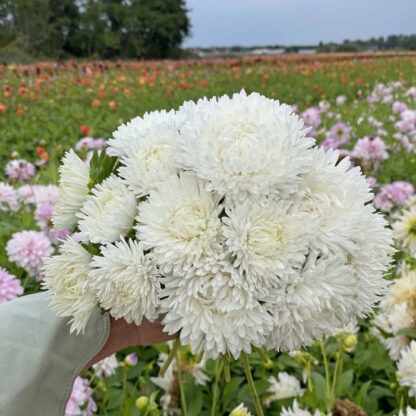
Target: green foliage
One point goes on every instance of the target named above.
(104, 28)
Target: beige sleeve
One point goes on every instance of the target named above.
(39, 358)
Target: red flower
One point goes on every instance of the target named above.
(84, 129)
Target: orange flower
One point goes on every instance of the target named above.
(3, 108)
(184, 85)
(95, 102)
(84, 129)
(112, 105)
(19, 111)
(203, 83)
(42, 153)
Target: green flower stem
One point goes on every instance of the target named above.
(255, 396)
(226, 365)
(171, 356)
(180, 382)
(218, 370)
(337, 371)
(327, 375)
(263, 355)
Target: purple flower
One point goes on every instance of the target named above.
(28, 249)
(330, 143)
(89, 143)
(311, 117)
(38, 194)
(411, 92)
(393, 195)
(339, 132)
(81, 402)
(131, 359)
(43, 215)
(84, 144)
(8, 198)
(10, 286)
(106, 367)
(372, 182)
(20, 169)
(404, 140)
(398, 107)
(407, 121)
(370, 151)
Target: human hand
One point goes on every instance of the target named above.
(123, 335)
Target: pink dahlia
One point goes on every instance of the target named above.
(339, 132)
(370, 151)
(81, 402)
(311, 117)
(28, 249)
(20, 169)
(393, 195)
(10, 286)
(398, 107)
(8, 198)
(38, 194)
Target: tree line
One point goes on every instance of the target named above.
(95, 28)
(392, 42)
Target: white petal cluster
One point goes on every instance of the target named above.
(245, 233)
(246, 145)
(404, 229)
(398, 311)
(296, 410)
(285, 387)
(151, 156)
(106, 367)
(406, 369)
(213, 315)
(125, 282)
(180, 223)
(66, 279)
(73, 189)
(108, 212)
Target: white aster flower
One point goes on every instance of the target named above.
(267, 239)
(287, 386)
(329, 186)
(66, 279)
(404, 229)
(125, 282)
(213, 315)
(180, 223)
(240, 410)
(246, 145)
(151, 158)
(106, 367)
(73, 189)
(296, 410)
(406, 369)
(319, 299)
(139, 129)
(409, 412)
(108, 212)
(403, 289)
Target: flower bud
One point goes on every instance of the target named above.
(349, 342)
(131, 359)
(142, 402)
(240, 410)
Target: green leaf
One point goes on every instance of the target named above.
(344, 383)
(408, 332)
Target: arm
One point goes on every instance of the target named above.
(40, 359)
(123, 335)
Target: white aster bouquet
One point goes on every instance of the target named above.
(227, 219)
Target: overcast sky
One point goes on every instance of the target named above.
(260, 22)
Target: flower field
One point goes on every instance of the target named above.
(363, 106)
